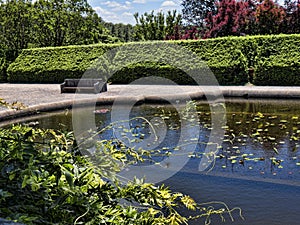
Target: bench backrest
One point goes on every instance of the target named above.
(81, 82)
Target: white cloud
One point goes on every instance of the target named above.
(128, 14)
(166, 4)
(139, 1)
(102, 12)
(115, 17)
(115, 6)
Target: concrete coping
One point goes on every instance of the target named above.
(47, 97)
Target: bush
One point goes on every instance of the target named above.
(53, 65)
(45, 179)
(278, 61)
(278, 70)
(228, 58)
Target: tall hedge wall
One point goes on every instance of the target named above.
(53, 65)
(275, 59)
(278, 61)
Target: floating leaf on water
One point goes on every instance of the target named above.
(259, 114)
(294, 138)
(272, 117)
(271, 138)
(283, 127)
(232, 157)
(256, 134)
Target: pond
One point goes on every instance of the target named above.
(256, 167)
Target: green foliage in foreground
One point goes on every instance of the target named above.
(46, 180)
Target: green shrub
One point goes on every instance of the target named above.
(46, 179)
(278, 70)
(278, 61)
(53, 65)
(228, 58)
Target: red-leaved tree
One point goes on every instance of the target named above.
(232, 18)
(269, 16)
(291, 22)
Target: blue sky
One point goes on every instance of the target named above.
(121, 11)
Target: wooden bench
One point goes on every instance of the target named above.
(83, 86)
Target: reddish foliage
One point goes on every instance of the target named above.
(269, 15)
(291, 23)
(232, 18)
(248, 17)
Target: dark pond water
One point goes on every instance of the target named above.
(257, 165)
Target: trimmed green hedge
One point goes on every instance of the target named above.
(275, 59)
(278, 61)
(53, 65)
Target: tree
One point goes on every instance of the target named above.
(66, 22)
(122, 31)
(15, 23)
(269, 16)
(157, 27)
(195, 12)
(291, 22)
(232, 18)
